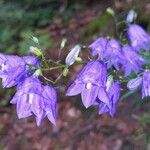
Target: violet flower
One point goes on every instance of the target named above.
(108, 50)
(113, 53)
(114, 94)
(130, 61)
(143, 81)
(138, 37)
(13, 69)
(89, 82)
(99, 47)
(32, 98)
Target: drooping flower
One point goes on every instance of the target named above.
(113, 53)
(139, 39)
(113, 91)
(13, 69)
(108, 50)
(99, 47)
(143, 81)
(32, 98)
(130, 61)
(89, 82)
(114, 94)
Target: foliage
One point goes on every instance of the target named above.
(21, 19)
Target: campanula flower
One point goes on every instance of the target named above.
(99, 47)
(130, 61)
(113, 53)
(108, 50)
(139, 39)
(32, 98)
(89, 82)
(13, 69)
(114, 93)
(143, 81)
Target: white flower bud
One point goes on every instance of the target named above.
(72, 56)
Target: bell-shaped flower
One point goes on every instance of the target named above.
(32, 98)
(89, 82)
(14, 69)
(99, 47)
(139, 38)
(143, 81)
(108, 50)
(130, 61)
(113, 92)
(113, 54)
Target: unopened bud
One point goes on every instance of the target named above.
(110, 11)
(37, 73)
(74, 53)
(63, 43)
(36, 51)
(65, 72)
(35, 39)
(132, 15)
(78, 59)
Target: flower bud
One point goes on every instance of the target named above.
(110, 11)
(65, 72)
(74, 53)
(63, 43)
(78, 59)
(36, 51)
(37, 73)
(132, 15)
(35, 39)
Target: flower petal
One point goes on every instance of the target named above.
(89, 95)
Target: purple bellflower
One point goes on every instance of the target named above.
(32, 98)
(143, 81)
(114, 94)
(113, 53)
(13, 69)
(108, 50)
(139, 39)
(130, 61)
(99, 47)
(90, 83)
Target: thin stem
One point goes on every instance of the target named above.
(45, 61)
(48, 79)
(53, 68)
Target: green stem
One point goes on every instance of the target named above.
(45, 61)
(53, 68)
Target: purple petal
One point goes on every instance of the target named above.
(103, 96)
(89, 95)
(75, 89)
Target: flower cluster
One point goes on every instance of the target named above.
(94, 83)
(31, 98)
